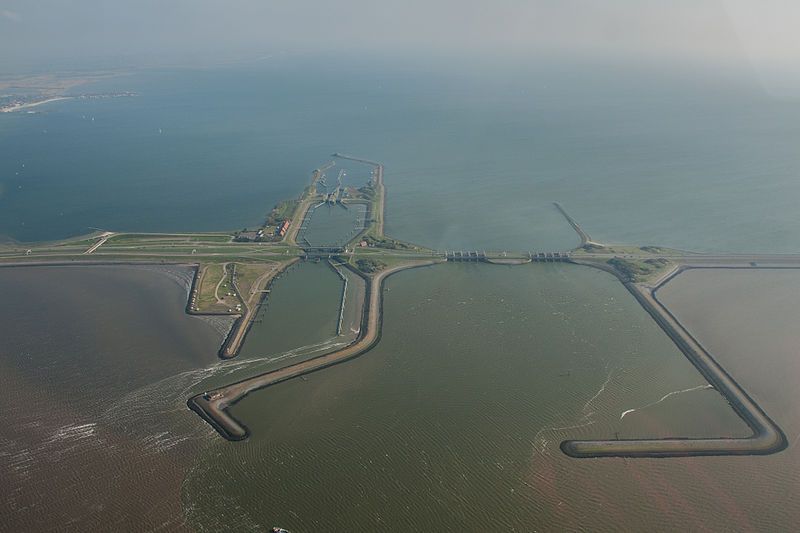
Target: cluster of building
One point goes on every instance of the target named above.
(282, 228)
(280, 231)
(246, 236)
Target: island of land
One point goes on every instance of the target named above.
(18, 93)
(234, 272)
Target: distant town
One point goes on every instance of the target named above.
(25, 92)
(11, 103)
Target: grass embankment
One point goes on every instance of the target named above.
(639, 270)
(369, 265)
(249, 274)
(367, 192)
(622, 249)
(374, 259)
(370, 195)
(215, 292)
(200, 245)
(386, 243)
(282, 211)
(146, 255)
(199, 238)
(633, 263)
(218, 294)
(83, 243)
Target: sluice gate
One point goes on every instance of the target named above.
(549, 257)
(462, 256)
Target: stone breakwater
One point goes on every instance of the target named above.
(212, 405)
(767, 437)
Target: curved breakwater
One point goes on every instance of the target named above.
(212, 405)
(233, 341)
(767, 437)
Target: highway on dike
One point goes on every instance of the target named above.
(643, 270)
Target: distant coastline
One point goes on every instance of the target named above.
(27, 91)
(18, 106)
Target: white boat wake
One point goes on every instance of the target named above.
(586, 419)
(150, 404)
(673, 393)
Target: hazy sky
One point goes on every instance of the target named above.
(764, 32)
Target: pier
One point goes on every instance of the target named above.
(336, 268)
(585, 238)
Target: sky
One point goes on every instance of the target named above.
(51, 32)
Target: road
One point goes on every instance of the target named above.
(103, 238)
(220, 282)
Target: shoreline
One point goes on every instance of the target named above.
(27, 105)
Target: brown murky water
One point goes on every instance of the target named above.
(87, 439)
(452, 423)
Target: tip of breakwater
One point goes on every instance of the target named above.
(766, 442)
(223, 424)
(767, 438)
(212, 406)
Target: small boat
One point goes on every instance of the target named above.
(279, 530)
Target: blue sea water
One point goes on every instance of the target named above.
(689, 159)
(474, 159)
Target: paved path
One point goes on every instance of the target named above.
(103, 238)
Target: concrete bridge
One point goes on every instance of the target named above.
(324, 252)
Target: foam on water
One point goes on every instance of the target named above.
(457, 413)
